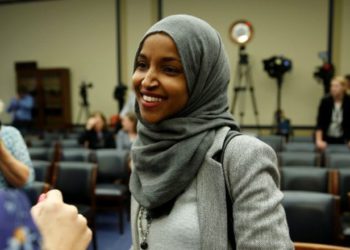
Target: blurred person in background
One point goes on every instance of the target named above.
(333, 119)
(96, 134)
(16, 168)
(21, 107)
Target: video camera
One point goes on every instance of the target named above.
(276, 66)
(83, 92)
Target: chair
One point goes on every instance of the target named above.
(299, 147)
(298, 159)
(343, 185)
(337, 148)
(312, 217)
(44, 153)
(34, 190)
(275, 141)
(43, 170)
(112, 191)
(77, 182)
(301, 139)
(69, 143)
(307, 179)
(338, 160)
(76, 154)
(313, 246)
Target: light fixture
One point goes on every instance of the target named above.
(241, 32)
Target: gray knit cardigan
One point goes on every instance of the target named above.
(259, 218)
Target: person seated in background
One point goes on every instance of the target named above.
(333, 119)
(51, 224)
(16, 168)
(21, 106)
(126, 136)
(96, 134)
(347, 78)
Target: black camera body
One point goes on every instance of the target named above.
(83, 92)
(276, 66)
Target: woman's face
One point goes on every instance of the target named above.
(128, 125)
(99, 124)
(159, 79)
(337, 89)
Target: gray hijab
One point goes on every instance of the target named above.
(167, 155)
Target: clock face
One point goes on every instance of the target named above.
(241, 32)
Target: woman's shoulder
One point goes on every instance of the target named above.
(244, 143)
(249, 152)
(10, 133)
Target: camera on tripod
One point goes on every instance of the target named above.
(83, 92)
(276, 66)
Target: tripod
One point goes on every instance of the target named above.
(84, 106)
(242, 82)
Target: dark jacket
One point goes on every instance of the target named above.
(106, 141)
(325, 115)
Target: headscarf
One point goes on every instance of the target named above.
(167, 155)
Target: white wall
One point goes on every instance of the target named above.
(345, 39)
(77, 34)
(296, 29)
(80, 35)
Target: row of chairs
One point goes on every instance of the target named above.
(321, 180)
(89, 180)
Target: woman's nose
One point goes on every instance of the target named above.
(150, 80)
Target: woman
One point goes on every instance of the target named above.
(180, 80)
(127, 135)
(96, 134)
(333, 120)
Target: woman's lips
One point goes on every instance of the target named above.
(151, 101)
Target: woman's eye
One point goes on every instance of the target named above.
(141, 65)
(171, 70)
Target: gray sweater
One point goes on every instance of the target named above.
(259, 218)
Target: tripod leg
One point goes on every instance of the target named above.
(236, 88)
(79, 115)
(252, 94)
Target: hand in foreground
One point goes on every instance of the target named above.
(60, 225)
(321, 145)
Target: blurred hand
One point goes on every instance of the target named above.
(91, 123)
(321, 145)
(60, 225)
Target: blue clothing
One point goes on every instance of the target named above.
(21, 108)
(123, 141)
(15, 144)
(17, 229)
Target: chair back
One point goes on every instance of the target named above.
(338, 160)
(112, 164)
(306, 179)
(274, 141)
(76, 154)
(298, 159)
(299, 147)
(76, 181)
(44, 153)
(69, 143)
(311, 216)
(343, 177)
(43, 170)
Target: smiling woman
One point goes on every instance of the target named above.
(180, 78)
(159, 80)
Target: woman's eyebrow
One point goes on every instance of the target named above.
(169, 59)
